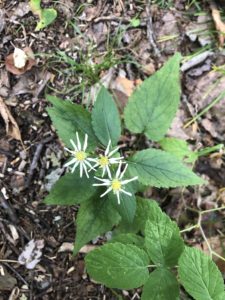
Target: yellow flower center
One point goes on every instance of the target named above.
(116, 185)
(103, 161)
(80, 155)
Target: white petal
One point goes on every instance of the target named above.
(113, 151)
(92, 159)
(81, 170)
(78, 142)
(100, 184)
(85, 170)
(74, 167)
(85, 142)
(102, 179)
(129, 180)
(118, 170)
(108, 171)
(70, 151)
(115, 160)
(88, 164)
(74, 145)
(124, 170)
(103, 171)
(118, 196)
(106, 192)
(72, 161)
(107, 149)
(125, 192)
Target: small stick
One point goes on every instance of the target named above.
(36, 158)
(17, 274)
(8, 209)
(150, 33)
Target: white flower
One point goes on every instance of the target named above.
(106, 160)
(116, 184)
(80, 157)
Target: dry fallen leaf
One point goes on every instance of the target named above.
(12, 128)
(20, 61)
(32, 253)
(220, 26)
(122, 89)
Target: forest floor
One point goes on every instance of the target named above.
(118, 43)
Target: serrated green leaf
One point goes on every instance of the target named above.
(153, 105)
(95, 217)
(179, 148)
(127, 206)
(69, 118)
(161, 285)
(106, 119)
(70, 189)
(147, 209)
(161, 169)
(200, 276)
(118, 266)
(128, 238)
(163, 242)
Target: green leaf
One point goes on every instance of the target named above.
(128, 238)
(127, 206)
(200, 276)
(179, 148)
(69, 118)
(95, 217)
(48, 15)
(153, 105)
(161, 285)
(35, 6)
(70, 190)
(118, 266)
(147, 209)
(161, 169)
(163, 242)
(106, 119)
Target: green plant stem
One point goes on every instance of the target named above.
(189, 228)
(205, 109)
(211, 210)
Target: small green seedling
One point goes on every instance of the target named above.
(46, 15)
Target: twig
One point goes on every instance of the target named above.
(199, 225)
(150, 33)
(36, 158)
(196, 60)
(8, 209)
(17, 274)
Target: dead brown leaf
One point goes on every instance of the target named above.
(12, 128)
(122, 89)
(220, 26)
(10, 64)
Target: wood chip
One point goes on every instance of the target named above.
(12, 128)
(220, 25)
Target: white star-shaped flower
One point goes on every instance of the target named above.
(116, 184)
(106, 160)
(80, 157)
